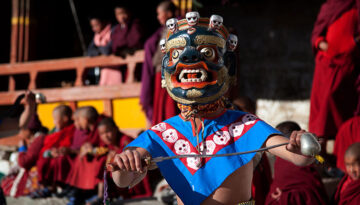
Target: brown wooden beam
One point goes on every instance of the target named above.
(108, 107)
(14, 31)
(79, 93)
(69, 63)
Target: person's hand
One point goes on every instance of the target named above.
(22, 142)
(276, 195)
(110, 156)
(54, 152)
(85, 149)
(130, 161)
(30, 99)
(323, 46)
(294, 142)
(64, 151)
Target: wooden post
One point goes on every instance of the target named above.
(14, 31)
(27, 30)
(32, 84)
(130, 78)
(21, 31)
(108, 107)
(79, 75)
(73, 105)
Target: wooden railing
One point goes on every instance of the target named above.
(79, 91)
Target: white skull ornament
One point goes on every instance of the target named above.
(171, 24)
(193, 162)
(236, 129)
(210, 146)
(216, 21)
(249, 119)
(162, 44)
(182, 147)
(232, 42)
(192, 18)
(159, 127)
(221, 137)
(170, 135)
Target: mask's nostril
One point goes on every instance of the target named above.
(185, 58)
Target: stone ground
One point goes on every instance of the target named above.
(63, 201)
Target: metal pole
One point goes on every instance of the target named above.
(78, 27)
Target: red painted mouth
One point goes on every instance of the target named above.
(195, 75)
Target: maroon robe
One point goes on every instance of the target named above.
(299, 185)
(28, 159)
(49, 170)
(261, 180)
(334, 98)
(348, 134)
(349, 195)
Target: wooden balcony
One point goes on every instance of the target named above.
(79, 92)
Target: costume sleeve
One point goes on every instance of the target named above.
(144, 141)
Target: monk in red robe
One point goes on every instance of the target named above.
(305, 188)
(155, 100)
(348, 134)
(113, 141)
(348, 191)
(47, 164)
(334, 40)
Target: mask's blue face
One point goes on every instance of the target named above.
(197, 68)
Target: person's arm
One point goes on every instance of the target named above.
(29, 110)
(105, 50)
(93, 49)
(290, 152)
(130, 168)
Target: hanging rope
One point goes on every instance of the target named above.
(78, 27)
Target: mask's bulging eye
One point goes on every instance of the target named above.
(175, 54)
(208, 53)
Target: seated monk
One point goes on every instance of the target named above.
(348, 191)
(113, 141)
(53, 146)
(348, 134)
(305, 188)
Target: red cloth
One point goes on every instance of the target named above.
(299, 185)
(330, 11)
(349, 195)
(28, 159)
(51, 170)
(334, 97)
(62, 138)
(164, 106)
(261, 180)
(127, 37)
(348, 134)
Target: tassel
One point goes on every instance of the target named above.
(106, 194)
(319, 158)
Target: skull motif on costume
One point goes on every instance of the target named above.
(232, 42)
(182, 147)
(193, 162)
(221, 137)
(249, 119)
(210, 146)
(159, 127)
(216, 21)
(170, 135)
(162, 44)
(172, 24)
(236, 129)
(192, 18)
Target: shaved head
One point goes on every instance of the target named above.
(88, 112)
(353, 150)
(63, 110)
(288, 127)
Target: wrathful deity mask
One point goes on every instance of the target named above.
(198, 66)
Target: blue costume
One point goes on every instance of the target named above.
(194, 179)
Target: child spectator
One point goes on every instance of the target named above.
(101, 45)
(113, 142)
(48, 164)
(348, 191)
(305, 188)
(126, 38)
